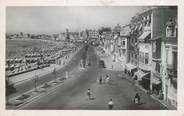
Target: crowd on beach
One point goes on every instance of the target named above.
(36, 57)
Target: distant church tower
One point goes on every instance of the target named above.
(67, 35)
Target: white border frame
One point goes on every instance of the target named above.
(180, 108)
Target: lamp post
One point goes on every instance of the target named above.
(35, 82)
(54, 72)
(66, 74)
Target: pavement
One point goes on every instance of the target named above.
(155, 97)
(72, 93)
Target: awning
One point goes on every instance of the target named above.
(130, 66)
(144, 35)
(155, 80)
(140, 74)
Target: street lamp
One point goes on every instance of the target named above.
(66, 75)
(54, 72)
(35, 82)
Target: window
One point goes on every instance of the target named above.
(154, 47)
(120, 52)
(135, 56)
(147, 46)
(144, 21)
(123, 43)
(157, 67)
(146, 58)
(149, 20)
(175, 60)
(169, 56)
(170, 31)
(124, 51)
(141, 57)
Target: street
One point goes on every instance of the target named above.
(72, 93)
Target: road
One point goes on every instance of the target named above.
(72, 93)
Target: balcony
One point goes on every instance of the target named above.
(147, 28)
(146, 67)
(171, 70)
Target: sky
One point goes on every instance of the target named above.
(49, 19)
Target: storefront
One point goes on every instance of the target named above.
(143, 78)
(156, 83)
(130, 69)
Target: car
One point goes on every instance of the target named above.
(101, 64)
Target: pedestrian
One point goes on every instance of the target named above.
(137, 98)
(107, 80)
(100, 80)
(112, 67)
(110, 104)
(89, 93)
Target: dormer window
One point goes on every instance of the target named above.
(170, 29)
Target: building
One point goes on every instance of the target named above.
(147, 31)
(93, 34)
(105, 36)
(55, 37)
(117, 29)
(62, 36)
(132, 63)
(74, 36)
(67, 35)
(144, 49)
(107, 42)
(153, 51)
(159, 18)
(169, 61)
(123, 45)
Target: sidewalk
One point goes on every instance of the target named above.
(42, 90)
(110, 65)
(18, 79)
(155, 97)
